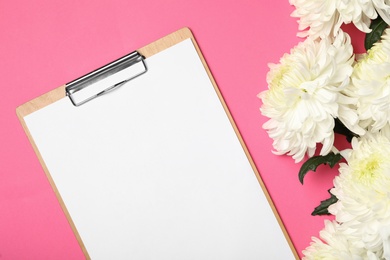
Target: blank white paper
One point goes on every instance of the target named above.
(154, 170)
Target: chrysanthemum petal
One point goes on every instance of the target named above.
(324, 18)
(303, 95)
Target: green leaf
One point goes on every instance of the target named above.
(322, 209)
(312, 163)
(377, 26)
(340, 128)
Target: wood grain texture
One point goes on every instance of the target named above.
(146, 51)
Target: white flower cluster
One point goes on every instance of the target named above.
(322, 18)
(321, 80)
(371, 85)
(361, 229)
(305, 95)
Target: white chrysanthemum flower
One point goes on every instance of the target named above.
(370, 84)
(323, 18)
(334, 245)
(363, 192)
(304, 96)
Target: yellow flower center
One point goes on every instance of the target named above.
(276, 82)
(367, 170)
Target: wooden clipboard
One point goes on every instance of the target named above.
(147, 51)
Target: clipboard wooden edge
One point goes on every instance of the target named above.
(147, 51)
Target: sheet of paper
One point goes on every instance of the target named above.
(154, 170)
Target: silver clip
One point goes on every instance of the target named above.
(106, 79)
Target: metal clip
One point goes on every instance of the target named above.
(106, 79)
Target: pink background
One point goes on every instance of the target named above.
(46, 43)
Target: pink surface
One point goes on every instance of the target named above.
(45, 44)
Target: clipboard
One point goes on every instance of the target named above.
(140, 58)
